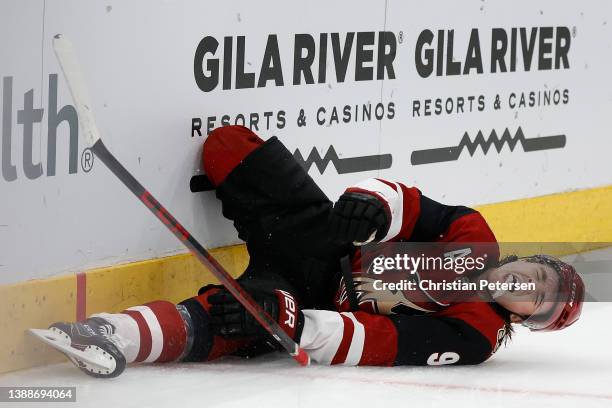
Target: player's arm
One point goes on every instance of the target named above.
(394, 211)
(360, 338)
(464, 333)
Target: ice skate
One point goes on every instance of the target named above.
(90, 345)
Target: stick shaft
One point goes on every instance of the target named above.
(197, 249)
(76, 83)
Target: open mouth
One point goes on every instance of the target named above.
(509, 279)
(512, 280)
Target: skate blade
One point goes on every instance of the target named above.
(90, 357)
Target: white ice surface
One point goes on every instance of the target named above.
(565, 369)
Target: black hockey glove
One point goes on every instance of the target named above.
(356, 216)
(230, 319)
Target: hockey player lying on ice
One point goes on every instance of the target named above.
(296, 237)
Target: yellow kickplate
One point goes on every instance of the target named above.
(38, 303)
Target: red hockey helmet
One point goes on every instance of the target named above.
(568, 304)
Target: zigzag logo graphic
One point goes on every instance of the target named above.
(344, 165)
(451, 153)
(201, 182)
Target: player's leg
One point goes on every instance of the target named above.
(277, 209)
(155, 332)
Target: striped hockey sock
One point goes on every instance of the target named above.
(153, 332)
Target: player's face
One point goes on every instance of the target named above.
(524, 303)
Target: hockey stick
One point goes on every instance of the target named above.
(349, 284)
(72, 73)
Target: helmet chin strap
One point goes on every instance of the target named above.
(524, 319)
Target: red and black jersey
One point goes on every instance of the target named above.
(415, 327)
(283, 215)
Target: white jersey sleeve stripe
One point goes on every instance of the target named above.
(394, 199)
(157, 337)
(357, 342)
(322, 334)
